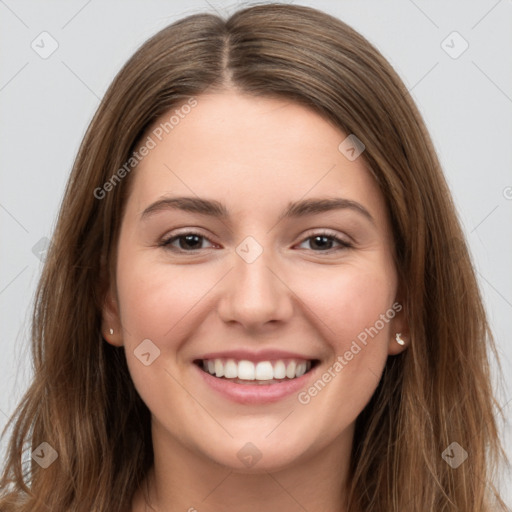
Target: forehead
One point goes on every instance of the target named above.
(252, 152)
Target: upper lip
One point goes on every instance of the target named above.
(262, 355)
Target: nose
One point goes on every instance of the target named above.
(255, 294)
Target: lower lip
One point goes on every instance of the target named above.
(255, 393)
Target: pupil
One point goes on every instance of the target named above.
(320, 241)
(189, 241)
(321, 245)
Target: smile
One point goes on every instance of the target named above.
(261, 381)
(262, 372)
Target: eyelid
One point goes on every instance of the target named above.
(326, 232)
(175, 235)
(167, 239)
(343, 243)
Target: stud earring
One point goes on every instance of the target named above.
(111, 331)
(399, 339)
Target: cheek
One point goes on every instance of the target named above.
(355, 309)
(349, 301)
(160, 303)
(156, 299)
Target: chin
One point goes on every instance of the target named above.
(253, 455)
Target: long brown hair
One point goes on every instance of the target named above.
(82, 401)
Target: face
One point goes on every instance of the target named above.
(280, 262)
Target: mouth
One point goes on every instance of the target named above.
(266, 373)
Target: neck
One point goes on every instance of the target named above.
(187, 481)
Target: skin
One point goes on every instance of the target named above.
(255, 155)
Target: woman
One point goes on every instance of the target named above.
(258, 296)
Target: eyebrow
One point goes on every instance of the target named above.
(218, 210)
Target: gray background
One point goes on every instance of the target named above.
(46, 104)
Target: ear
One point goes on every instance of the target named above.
(400, 325)
(111, 325)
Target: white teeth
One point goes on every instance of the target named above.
(290, 370)
(219, 368)
(279, 370)
(245, 370)
(263, 371)
(301, 369)
(231, 369)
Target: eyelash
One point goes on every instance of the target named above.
(166, 243)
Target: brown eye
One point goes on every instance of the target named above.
(185, 242)
(324, 242)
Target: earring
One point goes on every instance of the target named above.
(399, 339)
(111, 331)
